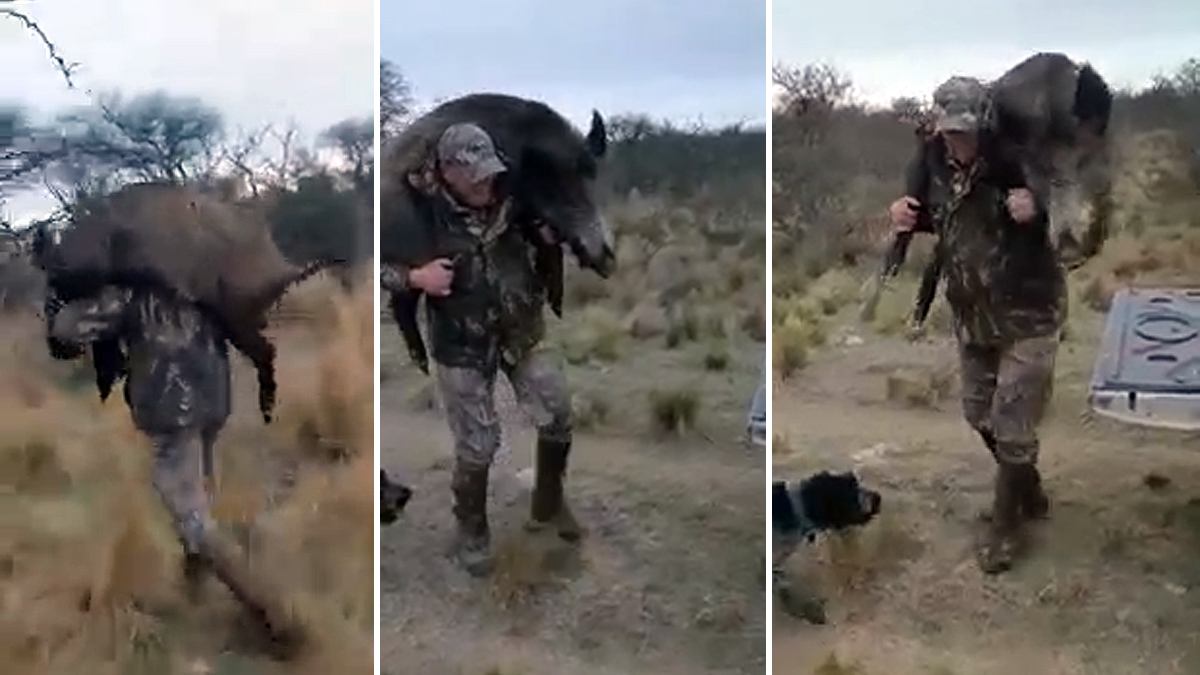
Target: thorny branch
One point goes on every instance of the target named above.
(65, 67)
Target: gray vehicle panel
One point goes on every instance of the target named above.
(1147, 371)
(756, 422)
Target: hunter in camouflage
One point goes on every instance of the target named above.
(178, 392)
(1006, 289)
(485, 300)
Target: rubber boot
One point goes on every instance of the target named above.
(472, 542)
(1000, 546)
(548, 507)
(1035, 505)
(1033, 502)
(264, 601)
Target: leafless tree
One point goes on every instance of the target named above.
(67, 68)
(395, 99)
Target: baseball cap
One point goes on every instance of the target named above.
(468, 145)
(959, 104)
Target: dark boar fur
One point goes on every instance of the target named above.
(1054, 115)
(552, 171)
(1049, 99)
(174, 239)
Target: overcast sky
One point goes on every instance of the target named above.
(893, 49)
(257, 61)
(676, 59)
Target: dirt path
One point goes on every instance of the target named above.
(668, 580)
(1110, 587)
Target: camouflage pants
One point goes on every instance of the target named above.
(183, 467)
(1005, 393)
(469, 397)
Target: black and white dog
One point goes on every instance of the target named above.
(393, 497)
(799, 511)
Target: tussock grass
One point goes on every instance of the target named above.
(74, 482)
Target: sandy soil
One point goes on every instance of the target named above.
(1109, 588)
(668, 580)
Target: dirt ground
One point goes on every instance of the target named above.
(88, 561)
(668, 579)
(1111, 583)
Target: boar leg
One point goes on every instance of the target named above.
(108, 360)
(404, 311)
(256, 347)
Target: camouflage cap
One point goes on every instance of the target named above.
(469, 146)
(959, 103)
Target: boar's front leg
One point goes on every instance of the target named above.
(404, 306)
(256, 347)
(108, 360)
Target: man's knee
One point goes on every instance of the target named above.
(543, 388)
(977, 413)
(977, 367)
(177, 457)
(470, 412)
(557, 423)
(476, 440)
(1017, 452)
(1016, 416)
(977, 400)
(1024, 384)
(178, 479)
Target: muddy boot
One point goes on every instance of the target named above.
(1033, 504)
(263, 599)
(999, 548)
(472, 543)
(195, 574)
(548, 508)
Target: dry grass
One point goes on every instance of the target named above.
(673, 412)
(832, 666)
(330, 401)
(678, 278)
(921, 386)
(75, 486)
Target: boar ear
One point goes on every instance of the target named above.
(597, 138)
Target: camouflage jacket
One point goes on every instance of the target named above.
(494, 311)
(1003, 279)
(178, 360)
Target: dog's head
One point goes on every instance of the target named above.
(393, 497)
(837, 501)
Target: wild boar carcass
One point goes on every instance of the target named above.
(176, 238)
(552, 170)
(1054, 114)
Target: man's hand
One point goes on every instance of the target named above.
(433, 278)
(52, 306)
(903, 214)
(1021, 205)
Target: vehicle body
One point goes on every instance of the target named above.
(1147, 371)
(756, 421)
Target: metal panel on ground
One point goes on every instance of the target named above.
(1147, 371)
